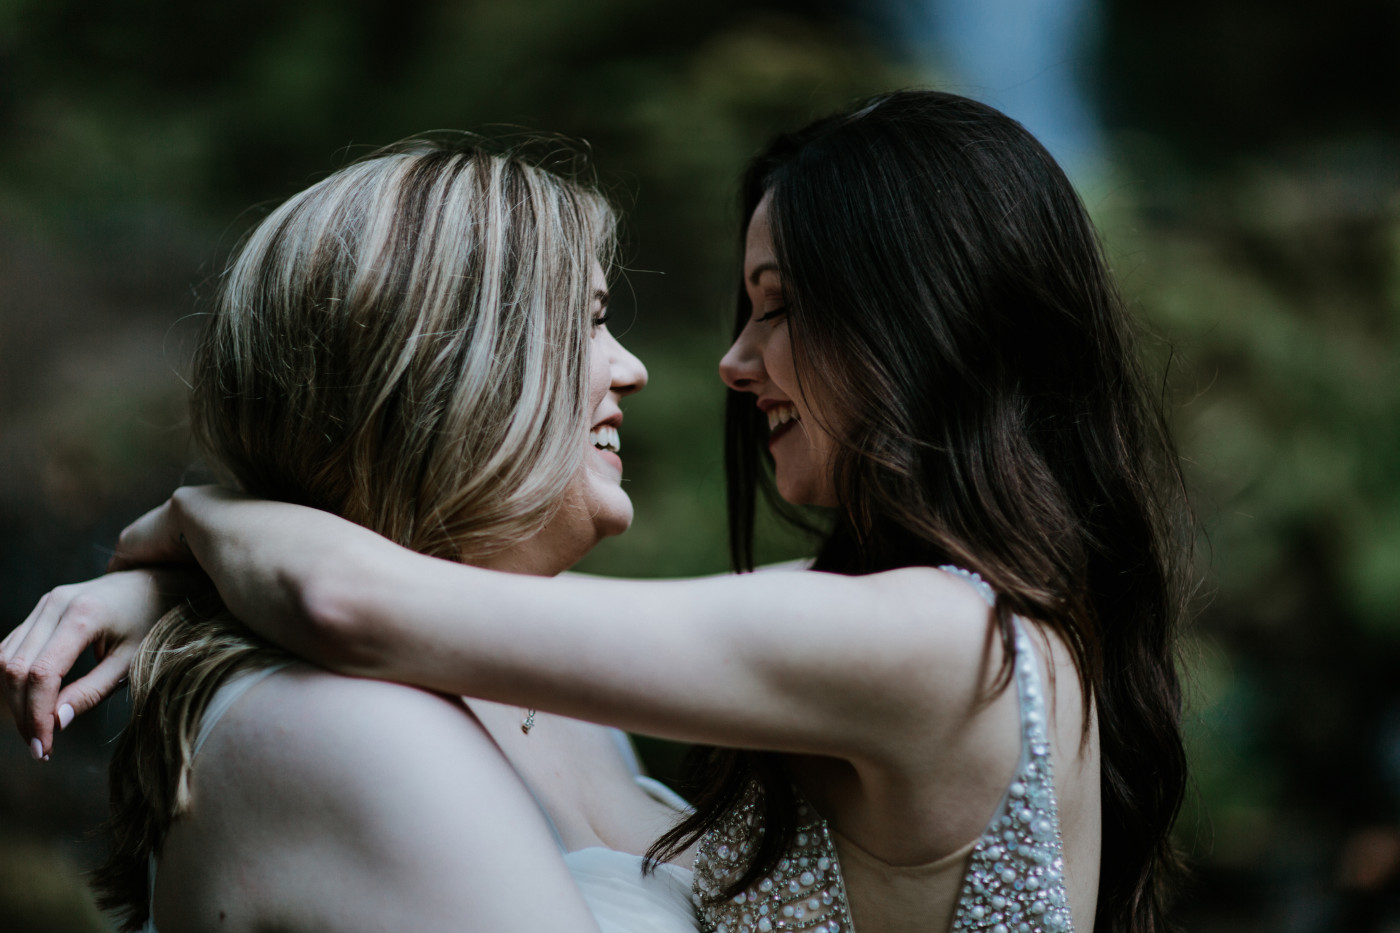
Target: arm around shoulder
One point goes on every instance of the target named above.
(802, 662)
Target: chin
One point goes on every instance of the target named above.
(805, 496)
(803, 491)
(614, 515)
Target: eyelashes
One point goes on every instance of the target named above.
(771, 314)
(601, 319)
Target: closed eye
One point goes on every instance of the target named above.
(601, 297)
(771, 314)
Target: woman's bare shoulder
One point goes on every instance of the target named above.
(319, 797)
(299, 717)
(349, 756)
(937, 632)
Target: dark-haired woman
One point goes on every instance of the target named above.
(966, 716)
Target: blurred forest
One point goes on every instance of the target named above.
(1248, 191)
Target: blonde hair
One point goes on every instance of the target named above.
(404, 344)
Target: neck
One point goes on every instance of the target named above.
(546, 554)
(516, 560)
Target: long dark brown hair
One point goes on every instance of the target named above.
(945, 284)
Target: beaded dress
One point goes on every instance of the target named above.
(1013, 883)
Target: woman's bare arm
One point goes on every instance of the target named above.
(802, 662)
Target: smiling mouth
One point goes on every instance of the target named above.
(781, 419)
(605, 437)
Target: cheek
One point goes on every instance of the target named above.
(777, 359)
(598, 380)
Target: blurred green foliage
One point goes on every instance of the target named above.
(1251, 208)
(37, 886)
(1275, 282)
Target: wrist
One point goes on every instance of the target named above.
(336, 600)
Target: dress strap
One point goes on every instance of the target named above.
(228, 694)
(1015, 874)
(661, 793)
(1026, 665)
(627, 750)
(653, 788)
(150, 924)
(983, 588)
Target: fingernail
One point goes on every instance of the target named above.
(65, 716)
(36, 748)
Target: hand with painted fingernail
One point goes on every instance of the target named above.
(110, 614)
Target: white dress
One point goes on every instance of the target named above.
(622, 899)
(625, 901)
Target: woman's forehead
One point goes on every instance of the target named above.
(759, 253)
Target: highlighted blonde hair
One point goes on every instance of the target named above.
(404, 344)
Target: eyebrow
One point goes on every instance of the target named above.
(761, 268)
(601, 296)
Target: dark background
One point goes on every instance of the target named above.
(1243, 168)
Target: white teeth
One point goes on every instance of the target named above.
(781, 415)
(605, 437)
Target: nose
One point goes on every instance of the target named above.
(741, 367)
(629, 374)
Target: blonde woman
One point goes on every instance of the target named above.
(418, 344)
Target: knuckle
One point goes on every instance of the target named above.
(41, 672)
(84, 609)
(16, 671)
(83, 697)
(125, 541)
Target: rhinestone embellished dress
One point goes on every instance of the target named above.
(1014, 882)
